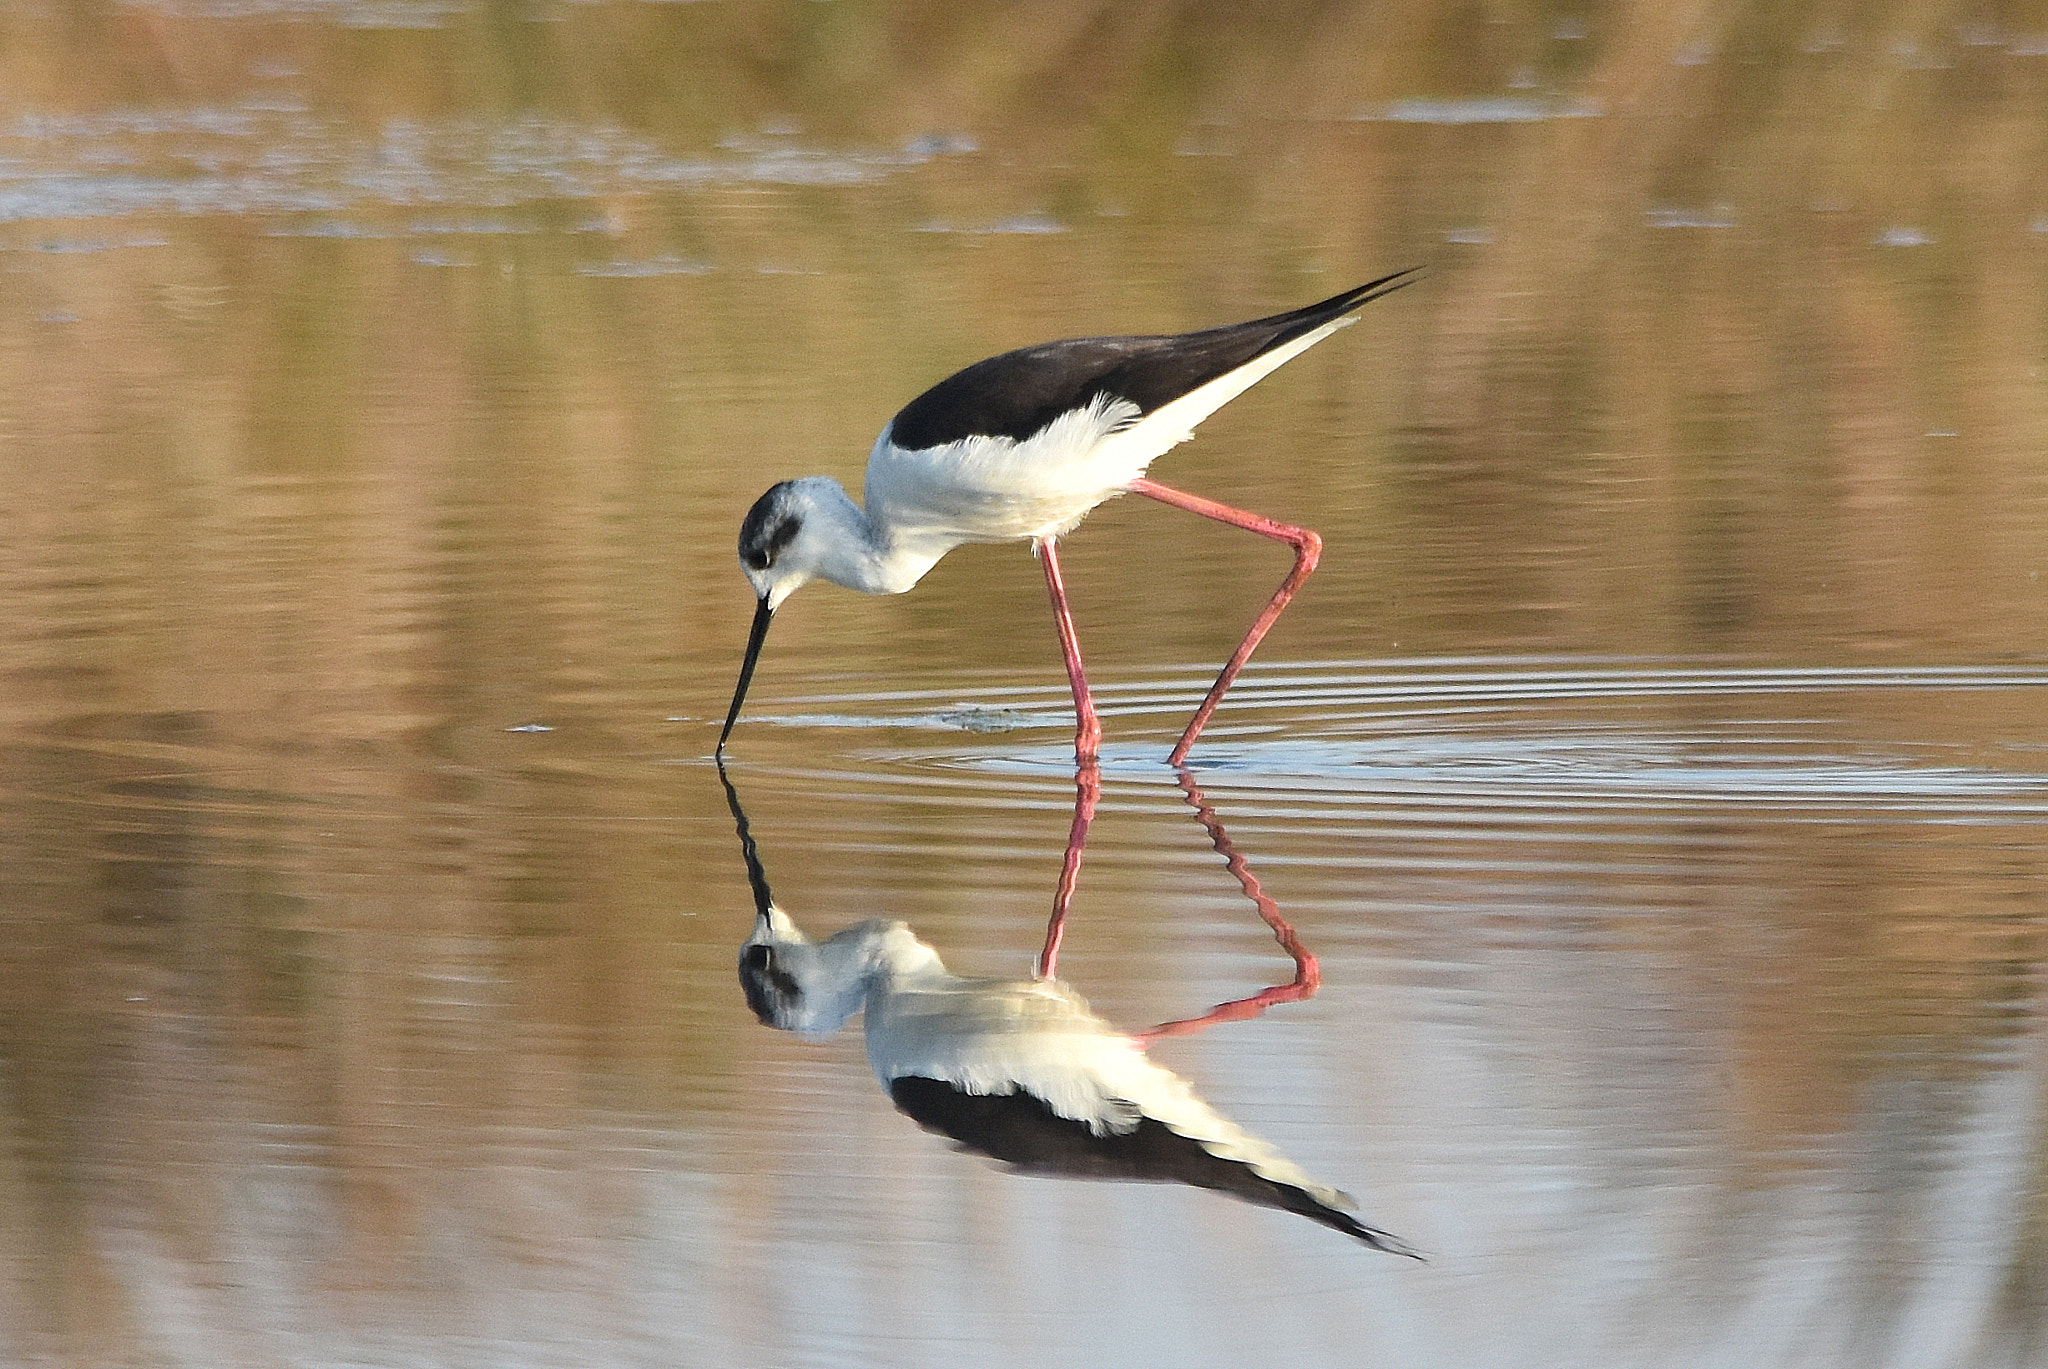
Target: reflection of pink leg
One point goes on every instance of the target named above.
(1087, 792)
(1308, 977)
(1087, 728)
(1308, 549)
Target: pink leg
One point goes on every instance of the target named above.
(1308, 976)
(1308, 549)
(1087, 728)
(1087, 793)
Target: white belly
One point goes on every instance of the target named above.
(996, 489)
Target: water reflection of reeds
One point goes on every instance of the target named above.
(383, 377)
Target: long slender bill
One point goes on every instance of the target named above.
(763, 615)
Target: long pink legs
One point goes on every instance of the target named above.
(1087, 771)
(1308, 976)
(1087, 727)
(1308, 549)
(1087, 793)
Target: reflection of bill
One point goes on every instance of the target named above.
(1020, 1070)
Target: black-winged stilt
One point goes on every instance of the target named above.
(1019, 448)
(1022, 1070)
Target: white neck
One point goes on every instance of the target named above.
(840, 543)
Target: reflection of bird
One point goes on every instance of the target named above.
(1020, 1070)
(1020, 447)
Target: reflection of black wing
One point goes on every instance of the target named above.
(1020, 1129)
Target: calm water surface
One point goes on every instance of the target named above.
(1658, 764)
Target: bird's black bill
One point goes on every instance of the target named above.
(763, 615)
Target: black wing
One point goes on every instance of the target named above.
(1020, 1129)
(1016, 394)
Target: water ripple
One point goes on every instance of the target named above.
(1540, 734)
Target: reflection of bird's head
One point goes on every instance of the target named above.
(816, 987)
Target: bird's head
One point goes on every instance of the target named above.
(780, 539)
(786, 539)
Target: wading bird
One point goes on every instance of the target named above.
(1019, 448)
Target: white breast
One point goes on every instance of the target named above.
(997, 489)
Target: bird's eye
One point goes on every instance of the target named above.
(768, 528)
(761, 542)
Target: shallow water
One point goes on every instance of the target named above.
(1657, 764)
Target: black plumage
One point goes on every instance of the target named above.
(1018, 393)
